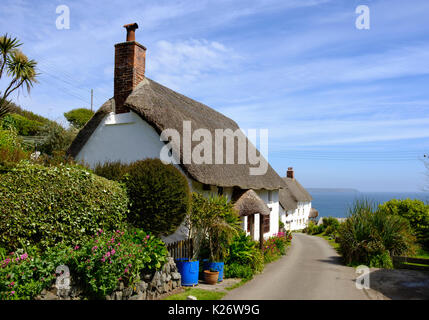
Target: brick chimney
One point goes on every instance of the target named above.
(289, 173)
(130, 59)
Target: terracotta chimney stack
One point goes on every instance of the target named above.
(130, 63)
(289, 173)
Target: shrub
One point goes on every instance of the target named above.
(117, 256)
(24, 274)
(11, 150)
(56, 138)
(159, 195)
(244, 251)
(78, 117)
(47, 205)
(111, 170)
(368, 236)
(22, 125)
(275, 246)
(236, 270)
(415, 211)
(213, 223)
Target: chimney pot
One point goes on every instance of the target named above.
(289, 173)
(131, 31)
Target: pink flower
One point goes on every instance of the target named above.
(107, 254)
(113, 251)
(147, 237)
(94, 248)
(11, 284)
(76, 247)
(24, 256)
(129, 265)
(110, 261)
(12, 293)
(126, 270)
(103, 259)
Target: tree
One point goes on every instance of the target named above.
(18, 67)
(78, 117)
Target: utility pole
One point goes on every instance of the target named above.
(92, 97)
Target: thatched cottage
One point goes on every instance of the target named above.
(295, 203)
(130, 127)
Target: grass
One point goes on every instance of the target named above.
(422, 254)
(200, 294)
(332, 242)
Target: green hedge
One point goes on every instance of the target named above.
(23, 126)
(45, 205)
(159, 195)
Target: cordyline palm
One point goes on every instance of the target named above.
(18, 67)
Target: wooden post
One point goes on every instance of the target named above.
(261, 231)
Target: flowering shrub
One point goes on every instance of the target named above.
(275, 246)
(245, 252)
(116, 256)
(24, 275)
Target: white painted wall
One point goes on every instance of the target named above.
(296, 219)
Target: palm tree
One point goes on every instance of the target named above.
(18, 67)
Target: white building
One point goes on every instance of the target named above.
(295, 204)
(128, 126)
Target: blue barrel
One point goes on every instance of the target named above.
(218, 266)
(189, 271)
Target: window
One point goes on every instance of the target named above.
(266, 223)
(270, 196)
(220, 191)
(206, 187)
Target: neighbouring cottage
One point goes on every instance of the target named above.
(295, 204)
(129, 127)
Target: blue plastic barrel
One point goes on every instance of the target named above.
(189, 271)
(218, 266)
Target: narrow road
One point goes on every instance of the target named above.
(311, 270)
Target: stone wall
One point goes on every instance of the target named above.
(150, 287)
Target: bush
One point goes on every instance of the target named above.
(78, 117)
(236, 270)
(244, 251)
(117, 256)
(47, 205)
(24, 274)
(275, 246)
(159, 195)
(415, 211)
(368, 236)
(96, 265)
(56, 138)
(11, 150)
(111, 170)
(213, 223)
(22, 125)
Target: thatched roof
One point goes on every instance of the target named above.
(164, 108)
(250, 203)
(292, 194)
(313, 213)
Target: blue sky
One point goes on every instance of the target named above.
(344, 107)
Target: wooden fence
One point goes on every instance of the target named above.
(183, 249)
(411, 263)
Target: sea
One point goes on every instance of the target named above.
(337, 203)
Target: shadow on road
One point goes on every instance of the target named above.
(400, 284)
(333, 260)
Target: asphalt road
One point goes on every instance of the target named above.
(310, 270)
